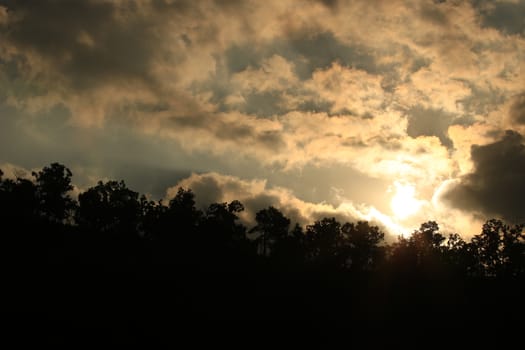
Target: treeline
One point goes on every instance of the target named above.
(113, 215)
(114, 246)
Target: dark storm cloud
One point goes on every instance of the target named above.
(496, 185)
(429, 122)
(504, 16)
(83, 40)
(91, 43)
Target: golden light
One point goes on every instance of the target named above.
(404, 203)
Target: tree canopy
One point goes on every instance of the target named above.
(200, 255)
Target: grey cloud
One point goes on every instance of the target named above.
(261, 201)
(82, 39)
(496, 186)
(517, 109)
(429, 122)
(317, 105)
(240, 57)
(227, 131)
(12, 68)
(481, 101)
(207, 190)
(197, 120)
(212, 188)
(310, 183)
(256, 195)
(391, 77)
(234, 132)
(315, 184)
(433, 14)
(270, 103)
(114, 152)
(353, 142)
(264, 104)
(308, 49)
(504, 16)
(271, 139)
(163, 6)
(144, 107)
(323, 48)
(332, 4)
(268, 139)
(13, 82)
(388, 143)
(14, 147)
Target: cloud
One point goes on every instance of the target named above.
(349, 91)
(395, 90)
(503, 15)
(256, 194)
(12, 171)
(97, 57)
(517, 109)
(424, 122)
(3, 15)
(495, 187)
(85, 42)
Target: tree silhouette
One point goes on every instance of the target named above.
(52, 186)
(19, 201)
(220, 224)
(289, 251)
(324, 240)
(499, 249)
(109, 208)
(423, 247)
(272, 226)
(152, 215)
(132, 259)
(182, 213)
(427, 241)
(362, 245)
(457, 255)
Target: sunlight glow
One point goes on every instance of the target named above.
(404, 203)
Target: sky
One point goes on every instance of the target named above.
(392, 111)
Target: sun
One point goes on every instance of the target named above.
(404, 203)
